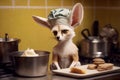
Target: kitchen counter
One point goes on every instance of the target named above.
(112, 76)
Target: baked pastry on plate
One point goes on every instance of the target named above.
(77, 70)
(92, 66)
(106, 66)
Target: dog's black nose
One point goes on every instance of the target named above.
(58, 38)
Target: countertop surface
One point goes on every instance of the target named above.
(110, 76)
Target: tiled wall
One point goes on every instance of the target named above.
(37, 4)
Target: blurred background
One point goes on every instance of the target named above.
(16, 19)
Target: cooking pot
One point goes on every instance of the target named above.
(111, 34)
(30, 66)
(93, 46)
(7, 45)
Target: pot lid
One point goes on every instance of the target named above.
(8, 40)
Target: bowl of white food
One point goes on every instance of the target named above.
(30, 63)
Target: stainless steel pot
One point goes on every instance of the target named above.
(30, 66)
(7, 45)
(93, 46)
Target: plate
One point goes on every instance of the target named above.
(89, 73)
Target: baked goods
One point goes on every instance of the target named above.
(98, 61)
(100, 65)
(106, 66)
(92, 66)
(77, 70)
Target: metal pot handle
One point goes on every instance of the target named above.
(85, 33)
(6, 37)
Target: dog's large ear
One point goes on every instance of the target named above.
(42, 21)
(76, 16)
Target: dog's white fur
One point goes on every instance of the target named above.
(63, 30)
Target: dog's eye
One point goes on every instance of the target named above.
(64, 31)
(55, 32)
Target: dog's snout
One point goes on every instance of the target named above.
(58, 38)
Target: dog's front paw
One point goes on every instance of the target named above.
(54, 66)
(77, 64)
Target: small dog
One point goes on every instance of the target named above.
(62, 22)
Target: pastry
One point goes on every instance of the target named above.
(92, 66)
(100, 65)
(77, 70)
(106, 66)
(98, 61)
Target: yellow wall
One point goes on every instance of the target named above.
(16, 19)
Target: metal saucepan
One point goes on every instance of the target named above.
(30, 66)
(7, 45)
(111, 34)
(92, 46)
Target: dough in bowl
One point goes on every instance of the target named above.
(29, 53)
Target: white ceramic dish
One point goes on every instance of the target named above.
(89, 73)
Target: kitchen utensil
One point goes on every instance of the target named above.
(7, 45)
(92, 46)
(95, 28)
(86, 33)
(30, 66)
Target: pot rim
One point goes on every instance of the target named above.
(9, 40)
(19, 53)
